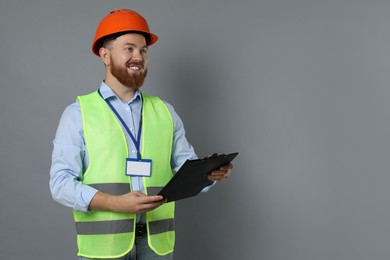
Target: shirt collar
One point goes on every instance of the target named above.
(107, 93)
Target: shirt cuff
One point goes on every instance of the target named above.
(86, 195)
(211, 184)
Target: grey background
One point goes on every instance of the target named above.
(298, 87)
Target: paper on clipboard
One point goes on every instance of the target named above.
(192, 177)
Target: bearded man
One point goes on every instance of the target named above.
(116, 148)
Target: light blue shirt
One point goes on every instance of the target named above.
(70, 156)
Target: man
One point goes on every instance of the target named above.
(107, 139)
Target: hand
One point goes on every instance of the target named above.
(132, 202)
(222, 173)
(138, 202)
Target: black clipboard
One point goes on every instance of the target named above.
(192, 176)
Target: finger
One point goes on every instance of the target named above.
(219, 175)
(150, 206)
(151, 199)
(226, 167)
(211, 178)
(218, 172)
(216, 177)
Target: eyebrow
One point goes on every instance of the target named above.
(134, 45)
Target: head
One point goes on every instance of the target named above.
(126, 59)
(121, 41)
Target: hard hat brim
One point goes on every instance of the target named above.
(150, 40)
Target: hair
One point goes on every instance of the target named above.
(106, 40)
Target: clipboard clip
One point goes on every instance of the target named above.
(214, 155)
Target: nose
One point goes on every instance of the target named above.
(137, 56)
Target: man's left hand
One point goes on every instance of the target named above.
(222, 173)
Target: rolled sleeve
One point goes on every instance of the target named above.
(86, 195)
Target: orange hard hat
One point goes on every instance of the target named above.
(121, 21)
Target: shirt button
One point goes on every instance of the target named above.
(133, 151)
(132, 129)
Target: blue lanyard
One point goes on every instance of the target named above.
(135, 141)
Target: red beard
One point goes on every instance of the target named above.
(134, 80)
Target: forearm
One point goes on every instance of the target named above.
(104, 201)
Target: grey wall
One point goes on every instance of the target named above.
(298, 87)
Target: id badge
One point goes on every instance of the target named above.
(140, 168)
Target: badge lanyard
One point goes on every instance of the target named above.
(135, 141)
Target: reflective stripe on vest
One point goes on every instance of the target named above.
(121, 226)
(105, 227)
(103, 234)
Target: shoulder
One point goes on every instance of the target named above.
(70, 127)
(177, 122)
(88, 97)
(72, 110)
(170, 107)
(158, 99)
(71, 117)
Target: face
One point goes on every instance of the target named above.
(128, 60)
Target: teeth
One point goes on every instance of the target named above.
(134, 68)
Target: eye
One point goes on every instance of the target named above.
(130, 49)
(144, 51)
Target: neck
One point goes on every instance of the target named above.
(125, 93)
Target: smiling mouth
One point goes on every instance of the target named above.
(137, 68)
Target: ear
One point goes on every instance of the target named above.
(104, 54)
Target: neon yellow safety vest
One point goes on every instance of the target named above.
(103, 234)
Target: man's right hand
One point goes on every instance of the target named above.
(132, 202)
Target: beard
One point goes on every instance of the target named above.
(134, 80)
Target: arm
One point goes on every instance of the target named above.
(69, 158)
(181, 148)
